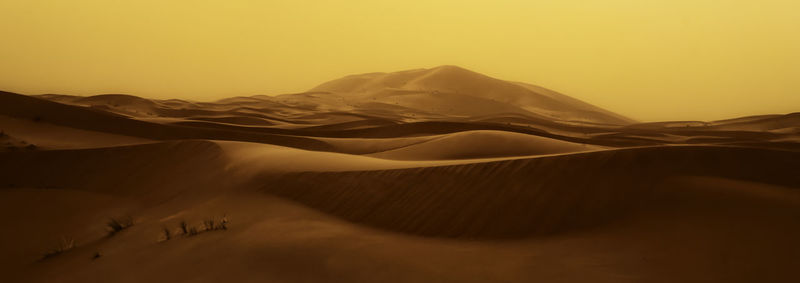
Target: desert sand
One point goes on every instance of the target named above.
(427, 175)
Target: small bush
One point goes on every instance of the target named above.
(184, 228)
(167, 234)
(66, 244)
(117, 225)
(208, 225)
(212, 225)
(223, 223)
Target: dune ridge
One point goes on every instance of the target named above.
(521, 197)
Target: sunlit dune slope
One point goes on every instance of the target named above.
(482, 144)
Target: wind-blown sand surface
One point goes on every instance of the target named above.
(372, 178)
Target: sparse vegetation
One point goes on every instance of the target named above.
(223, 223)
(116, 225)
(64, 245)
(167, 234)
(211, 224)
(184, 227)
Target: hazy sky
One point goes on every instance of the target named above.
(647, 59)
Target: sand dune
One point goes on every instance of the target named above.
(599, 197)
(427, 175)
(45, 135)
(23, 107)
(482, 144)
(429, 197)
(514, 198)
(451, 88)
(136, 169)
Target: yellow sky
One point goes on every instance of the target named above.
(647, 59)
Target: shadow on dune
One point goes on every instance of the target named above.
(149, 170)
(519, 198)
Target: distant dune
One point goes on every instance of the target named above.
(456, 91)
(427, 175)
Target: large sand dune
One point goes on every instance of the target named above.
(428, 175)
(457, 91)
